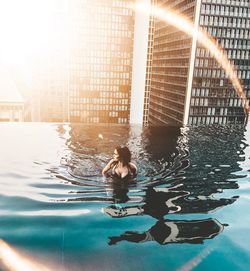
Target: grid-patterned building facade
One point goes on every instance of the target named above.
(85, 75)
(170, 66)
(211, 97)
(100, 60)
(149, 67)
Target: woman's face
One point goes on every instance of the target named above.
(116, 155)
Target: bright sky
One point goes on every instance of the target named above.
(24, 32)
(24, 28)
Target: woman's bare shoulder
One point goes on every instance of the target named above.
(133, 166)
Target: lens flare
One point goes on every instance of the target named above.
(190, 265)
(208, 42)
(13, 261)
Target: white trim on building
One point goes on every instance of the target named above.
(139, 63)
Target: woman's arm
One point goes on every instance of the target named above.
(108, 166)
(133, 168)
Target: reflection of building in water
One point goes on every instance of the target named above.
(162, 201)
(11, 102)
(161, 141)
(101, 139)
(175, 71)
(92, 146)
(214, 158)
(174, 231)
(164, 149)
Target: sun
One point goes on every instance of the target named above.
(25, 29)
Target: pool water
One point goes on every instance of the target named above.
(186, 210)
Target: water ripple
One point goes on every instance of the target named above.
(191, 163)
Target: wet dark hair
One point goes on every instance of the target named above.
(124, 154)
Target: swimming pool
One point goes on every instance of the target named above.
(188, 209)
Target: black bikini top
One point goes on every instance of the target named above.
(128, 176)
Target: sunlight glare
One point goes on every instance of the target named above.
(25, 29)
(13, 261)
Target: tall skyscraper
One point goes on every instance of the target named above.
(86, 74)
(100, 67)
(187, 85)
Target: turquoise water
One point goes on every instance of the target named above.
(187, 210)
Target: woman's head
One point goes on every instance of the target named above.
(122, 154)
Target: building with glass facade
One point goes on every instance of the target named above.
(187, 85)
(87, 73)
(100, 60)
(149, 67)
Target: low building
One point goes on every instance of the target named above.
(11, 102)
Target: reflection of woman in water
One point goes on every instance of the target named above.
(121, 166)
(162, 201)
(174, 231)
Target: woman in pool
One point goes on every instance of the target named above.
(121, 166)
